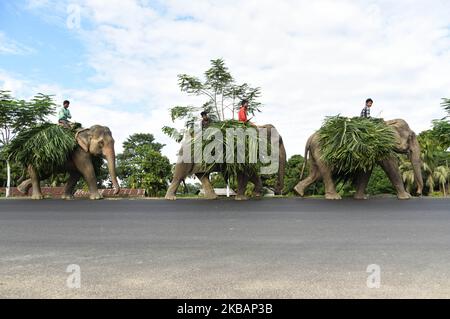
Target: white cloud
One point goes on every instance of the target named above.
(311, 58)
(9, 46)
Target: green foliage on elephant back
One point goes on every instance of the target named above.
(353, 144)
(244, 152)
(45, 146)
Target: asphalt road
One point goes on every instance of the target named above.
(271, 248)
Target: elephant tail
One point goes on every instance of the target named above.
(307, 149)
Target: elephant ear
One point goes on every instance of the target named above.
(83, 138)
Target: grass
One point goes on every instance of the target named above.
(251, 147)
(354, 144)
(45, 146)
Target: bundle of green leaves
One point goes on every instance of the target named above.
(354, 144)
(230, 147)
(45, 146)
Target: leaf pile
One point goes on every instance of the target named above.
(252, 142)
(353, 144)
(45, 146)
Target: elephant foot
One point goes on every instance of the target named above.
(210, 196)
(299, 190)
(67, 197)
(170, 197)
(96, 196)
(257, 195)
(404, 196)
(360, 196)
(37, 196)
(240, 197)
(333, 196)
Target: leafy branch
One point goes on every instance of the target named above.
(222, 96)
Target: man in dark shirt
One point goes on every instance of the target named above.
(366, 110)
(205, 119)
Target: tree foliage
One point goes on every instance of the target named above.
(141, 165)
(292, 173)
(222, 96)
(17, 115)
(446, 105)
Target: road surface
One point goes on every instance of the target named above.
(270, 248)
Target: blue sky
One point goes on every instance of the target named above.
(311, 58)
(56, 54)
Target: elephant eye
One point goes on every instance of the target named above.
(101, 143)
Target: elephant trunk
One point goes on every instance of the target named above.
(111, 159)
(416, 162)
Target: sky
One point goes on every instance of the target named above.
(118, 61)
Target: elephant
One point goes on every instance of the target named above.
(183, 170)
(96, 141)
(406, 143)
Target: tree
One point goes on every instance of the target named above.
(292, 176)
(141, 165)
(140, 139)
(222, 96)
(17, 115)
(292, 173)
(379, 183)
(446, 105)
(442, 175)
(408, 176)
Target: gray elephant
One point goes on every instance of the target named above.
(406, 143)
(94, 141)
(183, 170)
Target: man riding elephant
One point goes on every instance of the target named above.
(96, 141)
(186, 167)
(405, 143)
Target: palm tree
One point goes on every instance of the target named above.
(441, 175)
(429, 180)
(407, 174)
(446, 105)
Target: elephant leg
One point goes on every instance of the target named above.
(86, 168)
(37, 193)
(242, 180)
(206, 184)
(256, 180)
(25, 186)
(172, 190)
(182, 170)
(390, 167)
(330, 188)
(70, 186)
(279, 187)
(313, 176)
(362, 179)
